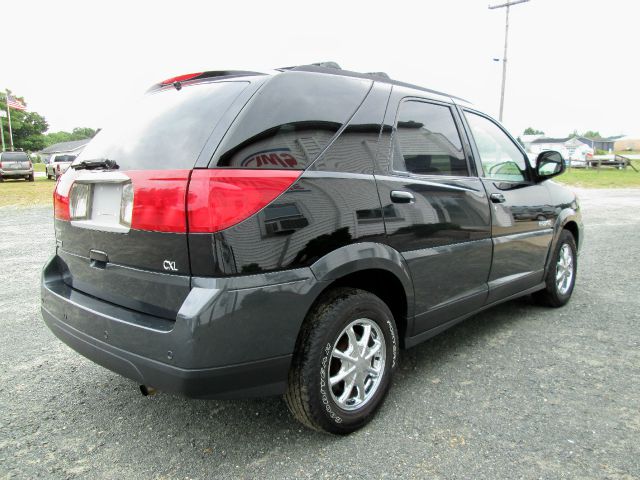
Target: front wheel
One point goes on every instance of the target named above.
(344, 360)
(561, 277)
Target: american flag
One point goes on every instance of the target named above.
(13, 102)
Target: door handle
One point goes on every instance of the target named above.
(400, 196)
(497, 198)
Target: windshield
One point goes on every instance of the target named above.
(166, 129)
(14, 157)
(65, 158)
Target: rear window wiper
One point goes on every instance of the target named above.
(97, 163)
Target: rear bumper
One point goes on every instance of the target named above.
(225, 342)
(15, 173)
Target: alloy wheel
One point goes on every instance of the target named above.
(357, 364)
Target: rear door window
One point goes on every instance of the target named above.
(290, 121)
(166, 129)
(427, 141)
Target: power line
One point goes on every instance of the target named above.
(504, 58)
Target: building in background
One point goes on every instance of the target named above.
(71, 148)
(527, 140)
(575, 149)
(627, 143)
(569, 145)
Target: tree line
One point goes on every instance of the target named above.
(30, 130)
(587, 134)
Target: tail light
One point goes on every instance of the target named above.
(164, 200)
(1, 165)
(58, 168)
(149, 200)
(61, 197)
(216, 198)
(157, 200)
(220, 198)
(30, 164)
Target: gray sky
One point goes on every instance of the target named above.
(572, 64)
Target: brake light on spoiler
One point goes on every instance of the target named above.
(180, 78)
(177, 201)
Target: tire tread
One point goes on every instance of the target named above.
(298, 397)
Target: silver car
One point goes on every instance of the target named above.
(15, 165)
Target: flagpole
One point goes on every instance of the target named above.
(6, 96)
(2, 133)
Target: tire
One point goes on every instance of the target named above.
(31, 178)
(557, 293)
(336, 324)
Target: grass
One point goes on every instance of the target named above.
(602, 178)
(26, 194)
(38, 167)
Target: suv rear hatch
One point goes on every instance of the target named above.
(15, 161)
(121, 224)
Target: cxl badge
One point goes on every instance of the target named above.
(169, 265)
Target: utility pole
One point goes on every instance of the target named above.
(504, 58)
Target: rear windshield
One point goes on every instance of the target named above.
(65, 158)
(166, 129)
(14, 157)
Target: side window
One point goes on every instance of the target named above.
(290, 121)
(500, 157)
(427, 141)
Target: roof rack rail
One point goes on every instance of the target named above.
(328, 64)
(380, 74)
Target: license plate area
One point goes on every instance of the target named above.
(104, 207)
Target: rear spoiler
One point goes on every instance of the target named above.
(189, 77)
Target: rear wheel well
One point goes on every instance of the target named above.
(383, 284)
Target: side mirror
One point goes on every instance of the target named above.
(549, 164)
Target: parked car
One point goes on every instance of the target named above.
(256, 234)
(58, 164)
(15, 165)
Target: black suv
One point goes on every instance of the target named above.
(288, 232)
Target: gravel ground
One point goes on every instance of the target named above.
(516, 392)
